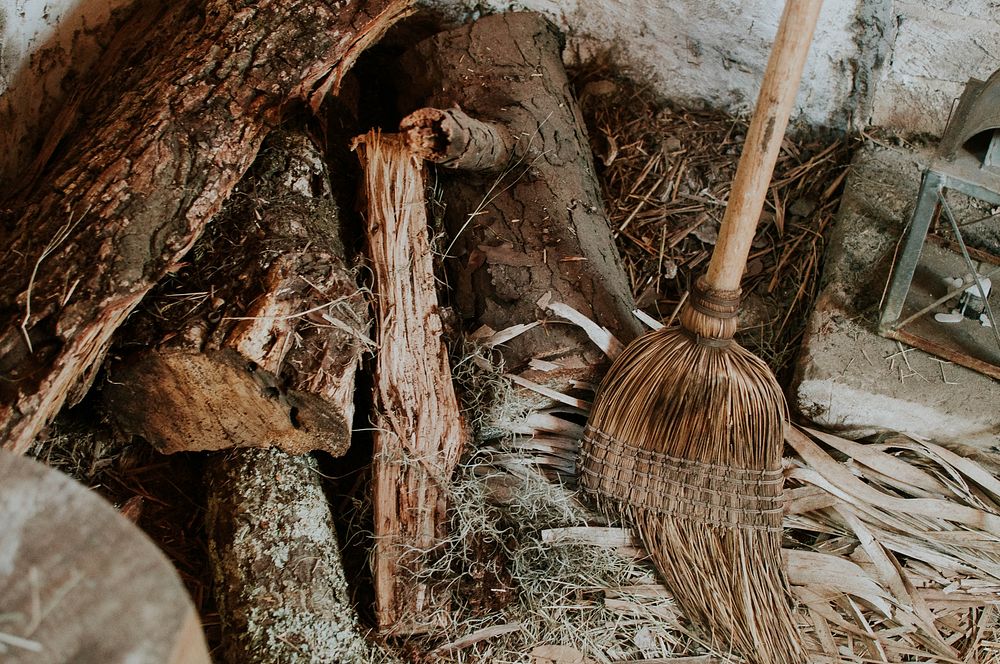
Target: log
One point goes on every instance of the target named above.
(419, 432)
(454, 140)
(279, 579)
(80, 582)
(537, 227)
(132, 193)
(267, 356)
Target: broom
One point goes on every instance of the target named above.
(685, 436)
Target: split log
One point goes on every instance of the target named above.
(132, 193)
(80, 582)
(279, 579)
(538, 225)
(419, 433)
(266, 349)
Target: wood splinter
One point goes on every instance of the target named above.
(452, 139)
(419, 432)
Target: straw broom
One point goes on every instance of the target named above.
(685, 436)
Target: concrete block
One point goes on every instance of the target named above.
(848, 378)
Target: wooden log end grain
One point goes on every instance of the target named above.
(272, 362)
(80, 582)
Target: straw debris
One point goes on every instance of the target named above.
(665, 174)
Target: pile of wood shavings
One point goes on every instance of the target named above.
(666, 173)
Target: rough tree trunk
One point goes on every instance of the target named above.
(419, 434)
(262, 374)
(256, 343)
(134, 189)
(535, 226)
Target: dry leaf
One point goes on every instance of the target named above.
(558, 655)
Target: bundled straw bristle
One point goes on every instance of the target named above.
(685, 442)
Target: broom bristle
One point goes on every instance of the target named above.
(684, 441)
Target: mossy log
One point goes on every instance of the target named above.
(279, 578)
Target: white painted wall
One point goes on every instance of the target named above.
(938, 46)
(710, 50)
(43, 45)
(895, 63)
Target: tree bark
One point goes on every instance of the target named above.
(81, 583)
(256, 343)
(539, 225)
(419, 433)
(132, 193)
(279, 579)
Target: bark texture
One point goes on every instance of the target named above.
(279, 579)
(419, 434)
(81, 583)
(539, 225)
(133, 191)
(257, 341)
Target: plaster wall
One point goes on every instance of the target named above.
(938, 45)
(709, 50)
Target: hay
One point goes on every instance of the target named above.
(665, 172)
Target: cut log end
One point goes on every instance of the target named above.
(183, 401)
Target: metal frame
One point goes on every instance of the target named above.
(964, 174)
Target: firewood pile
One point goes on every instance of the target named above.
(329, 334)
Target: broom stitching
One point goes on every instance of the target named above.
(727, 473)
(711, 342)
(749, 519)
(750, 503)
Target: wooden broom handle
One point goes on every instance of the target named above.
(760, 151)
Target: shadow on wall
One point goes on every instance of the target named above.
(46, 48)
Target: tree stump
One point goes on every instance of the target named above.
(266, 352)
(524, 212)
(81, 583)
(133, 190)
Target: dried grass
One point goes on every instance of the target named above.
(665, 173)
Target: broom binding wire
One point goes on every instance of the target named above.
(683, 489)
